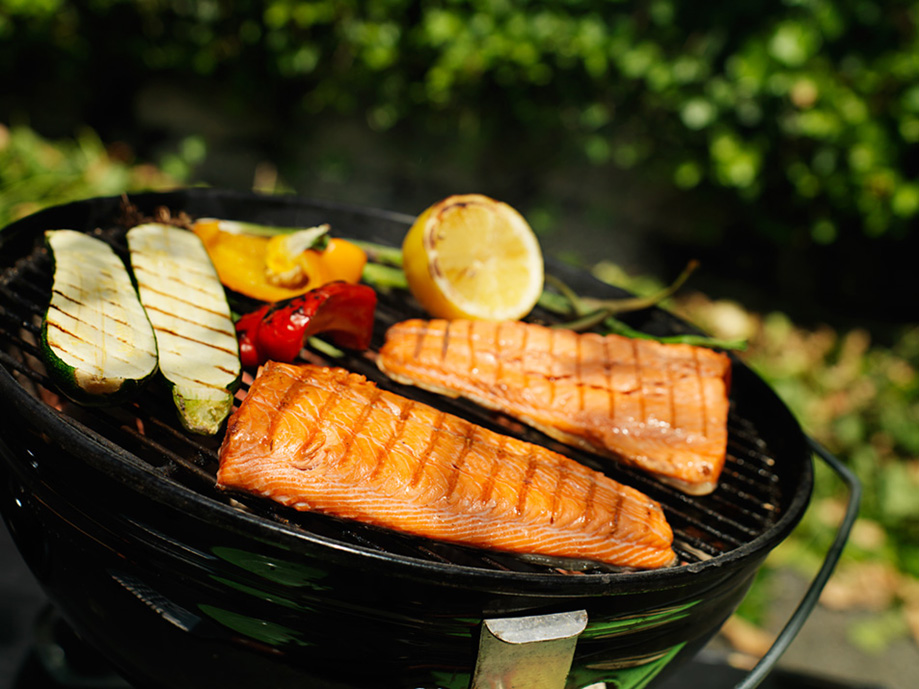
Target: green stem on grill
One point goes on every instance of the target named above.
(615, 326)
(591, 313)
(583, 306)
(384, 271)
(380, 253)
(383, 277)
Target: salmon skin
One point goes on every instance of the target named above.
(327, 440)
(660, 407)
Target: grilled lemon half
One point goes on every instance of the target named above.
(470, 256)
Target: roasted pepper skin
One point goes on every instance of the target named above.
(241, 262)
(278, 331)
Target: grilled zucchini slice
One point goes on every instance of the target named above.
(96, 340)
(195, 334)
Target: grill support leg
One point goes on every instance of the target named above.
(527, 652)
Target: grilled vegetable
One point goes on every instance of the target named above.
(272, 264)
(198, 352)
(311, 258)
(278, 331)
(96, 339)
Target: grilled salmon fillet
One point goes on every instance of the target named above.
(327, 440)
(660, 407)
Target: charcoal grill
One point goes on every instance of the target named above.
(116, 513)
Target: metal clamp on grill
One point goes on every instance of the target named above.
(533, 652)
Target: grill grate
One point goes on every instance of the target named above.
(745, 505)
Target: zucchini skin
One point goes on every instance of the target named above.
(66, 381)
(96, 340)
(187, 306)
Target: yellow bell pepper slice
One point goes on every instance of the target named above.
(273, 268)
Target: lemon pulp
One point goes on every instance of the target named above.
(470, 256)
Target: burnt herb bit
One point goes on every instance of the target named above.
(130, 215)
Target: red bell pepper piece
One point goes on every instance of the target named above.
(278, 331)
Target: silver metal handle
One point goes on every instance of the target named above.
(527, 652)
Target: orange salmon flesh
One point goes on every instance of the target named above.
(660, 407)
(327, 440)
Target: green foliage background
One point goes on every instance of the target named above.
(810, 103)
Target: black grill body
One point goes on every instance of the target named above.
(116, 513)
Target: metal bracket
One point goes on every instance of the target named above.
(527, 652)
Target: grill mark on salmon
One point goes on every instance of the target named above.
(428, 451)
(419, 342)
(577, 373)
(551, 377)
(284, 403)
(495, 347)
(608, 373)
(701, 395)
(560, 480)
(671, 397)
(361, 420)
(660, 407)
(589, 500)
(371, 455)
(456, 465)
(471, 369)
(617, 511)
(398, 430)
(307, 447)
(636, 356)
(526, 483)
(489, 485)
(446, 344)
